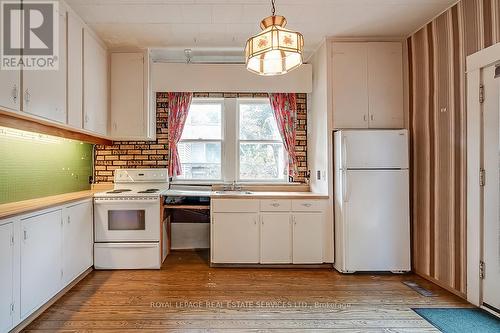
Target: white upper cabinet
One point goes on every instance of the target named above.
(6, 275)
(75, 70)
(131, 116)
(385, 82)
(350, 85)
(10, 83)
(44, 91)
(95, 85)
(367, 85)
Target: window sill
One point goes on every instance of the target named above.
(220, 183)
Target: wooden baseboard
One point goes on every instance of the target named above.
(289, 266)
(54, 299)
(442, 285)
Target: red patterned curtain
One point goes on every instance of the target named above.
(285, 111)
(178, 104)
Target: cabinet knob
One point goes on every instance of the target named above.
(364, 117)
(372, 117)
(275, 204)
(27, 96)
(307, 204)
(14, 93)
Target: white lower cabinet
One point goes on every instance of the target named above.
(276, 238)
(41, 267)
(77, 240)
(40, 254)
(272, 232)
(6, 275)
(235, 238)
(307, 238)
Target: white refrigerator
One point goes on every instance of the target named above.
(371, 182)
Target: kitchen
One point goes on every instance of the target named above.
(181, 170)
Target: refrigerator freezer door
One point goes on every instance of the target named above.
(377, 228)
(373, 149)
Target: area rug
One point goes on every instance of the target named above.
(460, 320)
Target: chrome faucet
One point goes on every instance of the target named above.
(233, 187)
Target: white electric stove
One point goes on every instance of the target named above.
(127, 221)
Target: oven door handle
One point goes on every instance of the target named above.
(126, 201)
(122, 245)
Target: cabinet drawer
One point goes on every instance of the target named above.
(274, 205)
(308, 205)
(235, 206)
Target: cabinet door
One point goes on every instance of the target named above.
(75, 71)
(77, 240)
(9, 89)
(40, 260)
(350, 85)
(128, 117)
(6, 276)
(276, 238)
(44, 91)
(385, 85)
(95, 85)
(235, 238)
(308, 238)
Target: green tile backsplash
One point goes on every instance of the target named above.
(34, 165)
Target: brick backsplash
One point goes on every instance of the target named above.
(154, 154)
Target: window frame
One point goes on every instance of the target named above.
(230, 143)
(238, 142)
(203, 100)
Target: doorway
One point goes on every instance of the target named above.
(490, 183)
(483, 179)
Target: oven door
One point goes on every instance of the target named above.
(127, 219)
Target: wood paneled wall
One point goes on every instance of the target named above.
(437, 55)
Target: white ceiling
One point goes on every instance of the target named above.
(216, 30)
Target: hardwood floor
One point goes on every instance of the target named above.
(186, 295)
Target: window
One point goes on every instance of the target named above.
(231, 139)
(261, 152)
(200, 147)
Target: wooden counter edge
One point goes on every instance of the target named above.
(12, 209)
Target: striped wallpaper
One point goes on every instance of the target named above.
(437, 55)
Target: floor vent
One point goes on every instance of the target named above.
(419, 289)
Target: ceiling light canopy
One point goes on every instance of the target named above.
(275, 50)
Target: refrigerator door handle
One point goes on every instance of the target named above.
(344, 152)
(344, 185)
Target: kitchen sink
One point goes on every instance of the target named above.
(233, 192)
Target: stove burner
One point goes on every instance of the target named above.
(118, 191)
(149, 190)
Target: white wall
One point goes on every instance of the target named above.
(226, 78)
(317, 122)
(319, 139)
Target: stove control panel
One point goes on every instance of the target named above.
(141, 175)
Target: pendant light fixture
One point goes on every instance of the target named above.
(275, 50)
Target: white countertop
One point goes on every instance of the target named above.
(244, 194)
